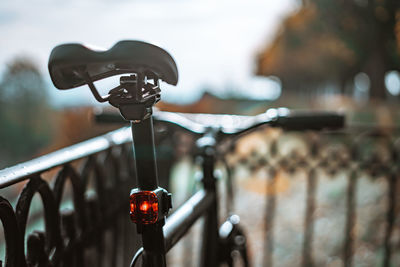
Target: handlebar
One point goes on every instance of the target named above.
(230, 125)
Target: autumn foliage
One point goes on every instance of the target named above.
(331, 41)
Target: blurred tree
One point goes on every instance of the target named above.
(25, 117)
(330, 41)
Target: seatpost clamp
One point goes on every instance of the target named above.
(135, 96)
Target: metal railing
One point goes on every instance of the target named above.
(97, 230)
(367, 154)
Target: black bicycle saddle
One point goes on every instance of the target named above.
(71, 65)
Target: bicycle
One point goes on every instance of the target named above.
(74, 65)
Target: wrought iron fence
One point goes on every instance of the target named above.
(357, 155)
(97, 230)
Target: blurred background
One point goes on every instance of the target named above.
(234, 56)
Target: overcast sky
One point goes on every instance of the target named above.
(213, 42)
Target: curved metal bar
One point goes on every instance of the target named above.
(51, 215)
(81, 150)
(136, 257)
(97, 235)
(100, 184)
(11, 232)
(78, 191)
(94, 91)
(87, 168)
(114, 164)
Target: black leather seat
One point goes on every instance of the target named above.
(68, 63)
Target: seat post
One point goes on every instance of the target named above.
(144, 154)
(146, 168)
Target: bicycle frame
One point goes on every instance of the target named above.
(157, 240)
(162, 239)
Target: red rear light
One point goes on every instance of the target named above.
(144, 207)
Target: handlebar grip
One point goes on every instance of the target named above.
(311, 121)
